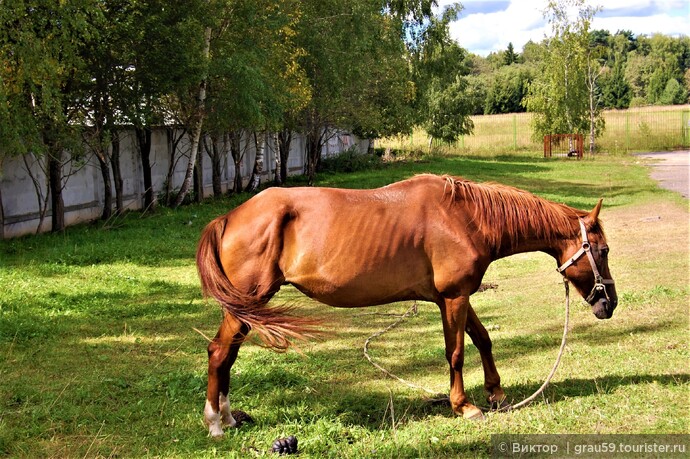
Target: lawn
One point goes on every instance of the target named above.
(102, 352)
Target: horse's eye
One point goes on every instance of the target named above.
(604, 251)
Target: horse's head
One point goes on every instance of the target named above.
(585, 264)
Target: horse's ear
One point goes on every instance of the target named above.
(592, 217)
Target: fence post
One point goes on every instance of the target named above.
(627, 131)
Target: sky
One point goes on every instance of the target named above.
(485, 26)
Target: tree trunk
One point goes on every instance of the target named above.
(314, 146)
(276, 175)
(40, 196)
(591, 124)
(117, 173)
(107, 189)
(144, 142)
(284, 141)
(591, 86)
(196, 135)
(215, 154)
(171, 142)
(55, 185)
(199, 179)
(2, 217)
(236, 153)
(259, 147)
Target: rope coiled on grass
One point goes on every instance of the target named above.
(526, 401)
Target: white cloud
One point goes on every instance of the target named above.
(658, 23)
(483, 33)
(523, 21)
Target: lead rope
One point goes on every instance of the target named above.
(413, 309)
(536, 394)
(524, 402)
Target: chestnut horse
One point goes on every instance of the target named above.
(426, 238)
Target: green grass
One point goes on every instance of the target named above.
(640, 129)
(99, 356)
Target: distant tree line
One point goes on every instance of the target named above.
(635, 71)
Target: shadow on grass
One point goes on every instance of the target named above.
(368, 408)
(582, 387)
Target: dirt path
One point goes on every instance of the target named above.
(672, 170)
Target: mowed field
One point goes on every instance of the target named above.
(103, 354)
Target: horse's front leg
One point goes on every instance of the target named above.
(480, 338)
(222, 353)
(454, 316)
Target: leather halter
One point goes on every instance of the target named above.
(599, 282)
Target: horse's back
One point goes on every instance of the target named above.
(342, 247)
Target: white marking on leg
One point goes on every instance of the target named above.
(212, 421)
(225, 414)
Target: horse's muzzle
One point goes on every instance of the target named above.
(603, 308)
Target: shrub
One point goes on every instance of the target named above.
(350, 160)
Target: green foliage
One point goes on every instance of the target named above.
(350, 160)
(449, 110)
(673, 93)
(560, 97)
(655, 61)
(510, 56)
(623, 66)
(616, 92)
(40, 48)
(254, 76)
(443, 104)
(476, 93)
(356, 67)
(508, 89)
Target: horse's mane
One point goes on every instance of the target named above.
(502, 210)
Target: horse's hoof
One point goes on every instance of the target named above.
(498, 404)
(215, 431)
(503, 405)
(473, 414)
(213, 421)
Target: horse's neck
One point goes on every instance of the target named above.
(532, 243)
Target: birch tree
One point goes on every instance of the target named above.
(164, 68)
(560, 94)
(198, 122)
(254, 78)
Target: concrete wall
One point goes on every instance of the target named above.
(83, 192)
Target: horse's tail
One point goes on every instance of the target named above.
(276, 326)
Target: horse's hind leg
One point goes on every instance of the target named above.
(480, 338)
(222, 352)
